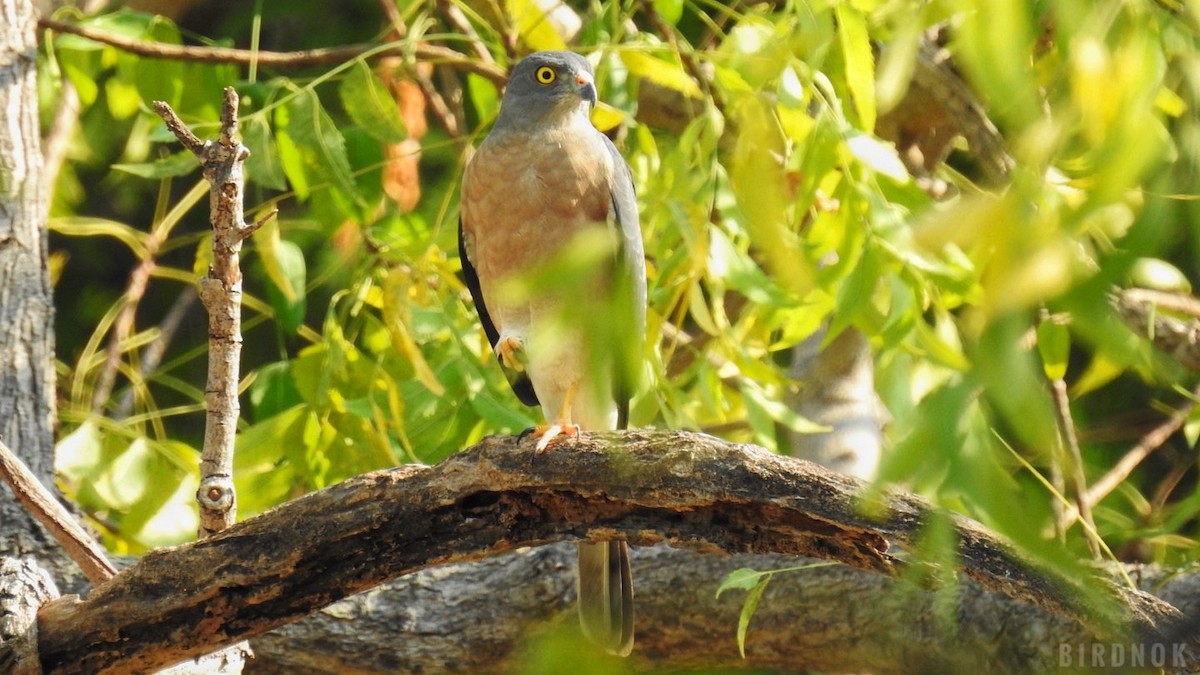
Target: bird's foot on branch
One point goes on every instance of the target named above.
(547, 433)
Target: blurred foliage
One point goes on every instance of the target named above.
(769, 208)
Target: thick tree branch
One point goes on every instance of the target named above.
(467, 618)
(687, 490)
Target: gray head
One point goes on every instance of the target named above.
(545, 86)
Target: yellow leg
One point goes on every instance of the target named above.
(562, 424)
(509, 351)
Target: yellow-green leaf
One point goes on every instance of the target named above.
(661, 72)
(748, 609)
(1054, 346)
(533, 25)
(860, 62)
(268, 242)
(606, 117)
(370, 105)
(396, 312)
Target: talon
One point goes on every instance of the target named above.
(511, 352)
(545, 434)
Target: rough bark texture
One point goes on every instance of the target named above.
(831, 619)
(688, 490)
(26, 304)
(24, 587)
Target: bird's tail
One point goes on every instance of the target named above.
(605, 580)
(606, 595)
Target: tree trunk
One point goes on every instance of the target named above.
(27, 411)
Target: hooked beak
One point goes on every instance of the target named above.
(587, 88)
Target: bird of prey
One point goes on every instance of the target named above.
(542, 185)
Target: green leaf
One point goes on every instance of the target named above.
(484, 96)
(777, 411)
(164, 512)
(761, 186)
(370, 104)
(123, 22)
(99, 227)
(397, 313)
(499, 416)
(79, 453)
(78, 69)
(122, 98)
(1159, 275)
(666, 73)
(285, 266)
(273, 390)
(263, 166)
(178, 164)
(748, 608)
(311, 147)
(156, 79)
(994, 41)
(743, 578)
(881, 157)
(754, 581)
(860, 62)
(1054, 346)
(671, 11)
(263, 479)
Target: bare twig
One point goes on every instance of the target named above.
(448, 108)
(221, 292)
(687, 57)
(153, 353)
(266, 59)
(453, 124)
(139, 279)
(66, 116)
(1070, 445)
(454, 15)
(1178, 338)
(59, 522)
(1173, 302)
(1068, 441)
(1130, 461)
(58, 139)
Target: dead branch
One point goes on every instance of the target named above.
(684, 489)
(59, 522)
(1150, 314)
(221, 292)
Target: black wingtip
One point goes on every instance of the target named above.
(520, 383)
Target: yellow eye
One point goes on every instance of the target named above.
(545, 75)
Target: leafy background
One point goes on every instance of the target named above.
(771, 206)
